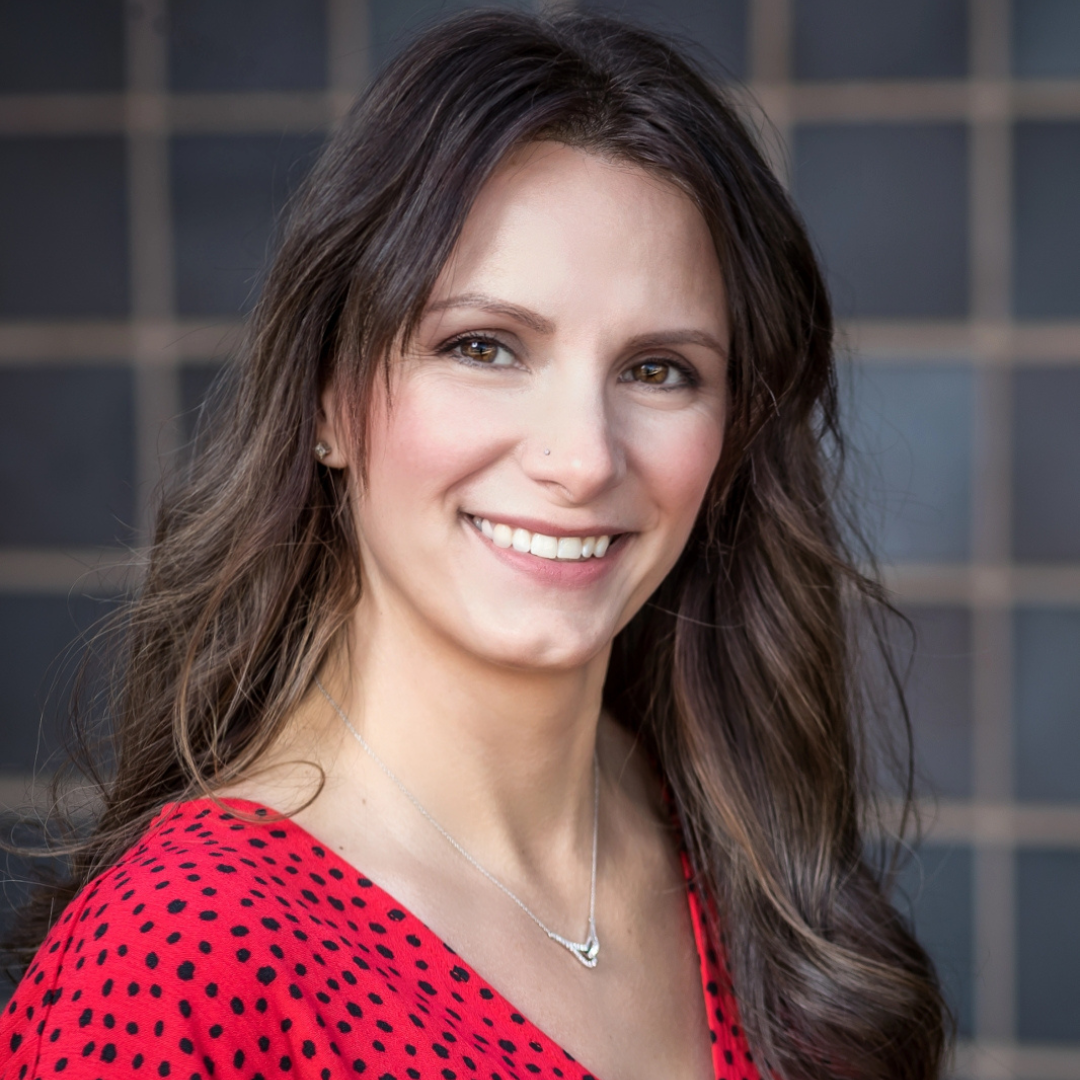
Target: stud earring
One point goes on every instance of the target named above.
(321, 450)
(547, 453)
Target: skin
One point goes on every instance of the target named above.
(593, 311)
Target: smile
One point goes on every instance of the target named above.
(563, 548)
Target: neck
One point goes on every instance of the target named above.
(501, 756)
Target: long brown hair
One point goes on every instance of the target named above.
(739, 672)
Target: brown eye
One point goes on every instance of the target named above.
(483, 352)
(654, 373)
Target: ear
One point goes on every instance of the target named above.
(329, 430)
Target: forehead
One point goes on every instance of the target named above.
(556, 223)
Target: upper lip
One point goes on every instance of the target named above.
(548, 528)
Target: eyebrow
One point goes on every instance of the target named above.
(496, 307)
(678, 337)
(534, 321)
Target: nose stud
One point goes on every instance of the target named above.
(547, 453)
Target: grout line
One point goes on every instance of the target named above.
(86, 571)
(883, 101)
(929, 101)
(994, 895)
(1000, 825)
(770, 41)
(975, 586)
(989, 1059)
(146, 341)
(984, 586)
(62, 114)
(989, 38)
(249, 113)
(990, 342)
(989, 260)
(769, 102)
(158, 112)
(157, 399)
(994, 588)
(954, 822)
(990, 176)
(348, 38)
(30, 795)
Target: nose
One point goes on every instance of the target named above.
(573, 446)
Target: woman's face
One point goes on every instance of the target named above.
(565, 393)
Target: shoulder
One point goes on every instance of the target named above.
(228, 939)
(164, 959)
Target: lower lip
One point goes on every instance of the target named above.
(569, 573)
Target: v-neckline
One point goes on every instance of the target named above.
(706, 951)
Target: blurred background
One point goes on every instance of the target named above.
(934, 148)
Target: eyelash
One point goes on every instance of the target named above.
(691, 378)
(454, 343)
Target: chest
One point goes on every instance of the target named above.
(258, 948)
(642, 1012)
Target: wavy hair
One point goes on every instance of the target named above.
(739, 673)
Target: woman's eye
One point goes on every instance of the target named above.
(479, 350)
(657, 373)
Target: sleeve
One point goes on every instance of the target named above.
(102, 1000)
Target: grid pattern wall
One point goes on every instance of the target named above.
(934, 148)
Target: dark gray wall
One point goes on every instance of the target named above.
(934, 148)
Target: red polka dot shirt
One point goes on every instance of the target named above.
(221, 948)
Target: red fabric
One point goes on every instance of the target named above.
(222, 948)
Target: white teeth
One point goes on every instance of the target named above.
(570, 547)
(547, 547)
(567, 548)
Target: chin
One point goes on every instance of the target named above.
(539, 648)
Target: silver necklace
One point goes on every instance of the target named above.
(587, 951)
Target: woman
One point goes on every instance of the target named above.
(488, 708)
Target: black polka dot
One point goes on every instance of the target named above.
(281, 905)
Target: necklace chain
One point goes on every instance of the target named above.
(586, 951)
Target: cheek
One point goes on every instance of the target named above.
(676, 462)
(433, 437)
